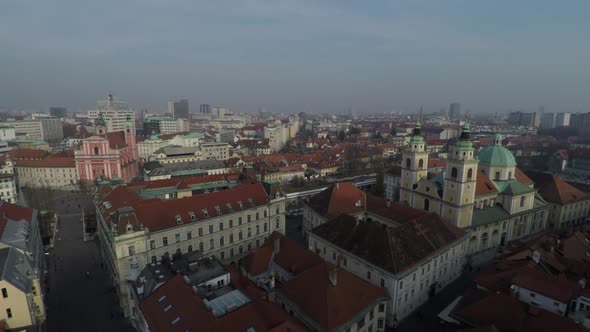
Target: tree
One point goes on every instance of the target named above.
(341, 135)
(354, 131)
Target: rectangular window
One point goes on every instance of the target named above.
(177, 237)
(221, 226)
(4, 293)
(239, 220)
(231, 223)
(165, 241)
(401, 285)
(210, 229)
(382, 282)
(380, 323)
(369, 275)
(189, 235)
(9, 313)
(152, 244)
(382, 307)
(131, 250)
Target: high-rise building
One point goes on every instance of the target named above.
(562, 119)
(205, 109)
(548, 120)
(455, 111)
(180, 109)
(114, 113)
(44, 129)
(580, 121)
(58, 112)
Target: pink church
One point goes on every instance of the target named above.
(108, 155)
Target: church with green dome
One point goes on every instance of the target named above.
(484, 193)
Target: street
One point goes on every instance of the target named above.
(77, 301)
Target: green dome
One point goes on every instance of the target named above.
(496, 155)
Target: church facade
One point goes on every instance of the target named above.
(486, 194)
(108, 155)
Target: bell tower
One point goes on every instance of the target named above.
(130, 136)
(460, 181)
(414, 165)
(100, 124)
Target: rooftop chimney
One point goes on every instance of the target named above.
(333, 277)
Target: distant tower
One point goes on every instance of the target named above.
(130, 136)
(460, 181)
(100, 124)
(455, 111)
(414, 164)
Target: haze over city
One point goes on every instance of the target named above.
(289, 56)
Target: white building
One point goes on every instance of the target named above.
(391, 246)
(226, 224)
(115, 113)
(217, 151)
(7, 133)
(43, 129)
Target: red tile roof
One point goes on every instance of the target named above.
(394, 249)
(393, 211)
(194, 316)
(53, 162)
(509, 314)
(292, 257)
(116, 139)
(156, 214)
(340, 198)
(25, 154)
(555, 190)
(16, 212)
(556, 288)
(484, 185)
(331, 306)
(521, 177)
(437, 163)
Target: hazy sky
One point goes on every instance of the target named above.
(297, 55)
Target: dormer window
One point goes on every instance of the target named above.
(218, 210)
(251, 201)
(192, 215)
(229, 207)
(178, 219)
(129, 228)
(240, 204)
(205, 213)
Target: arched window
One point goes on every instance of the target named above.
(470, 173)
(426, 204)
(497, 176)
(484, 241)
(421, 163)
(408, 163)
(522, 200)
(96, 150)
(454, 172)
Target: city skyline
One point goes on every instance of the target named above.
(297, 56)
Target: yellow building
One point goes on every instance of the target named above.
(21, 269)
(486, 195)
(568, 206)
